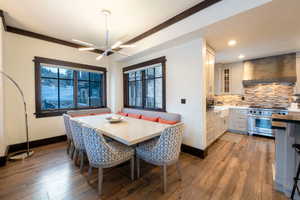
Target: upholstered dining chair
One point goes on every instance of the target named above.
(76, 130)
(162, 151)
(70, 147)
(102, 154)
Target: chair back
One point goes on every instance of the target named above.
(99, 152)
(169, 143)
(67, 126)
(76, 130)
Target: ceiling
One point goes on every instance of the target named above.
(81, 19)
(271, 29)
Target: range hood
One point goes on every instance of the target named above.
(275, 69)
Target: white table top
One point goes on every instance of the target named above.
(129, 132)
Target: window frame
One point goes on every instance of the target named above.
(161, 60)
(39, 113)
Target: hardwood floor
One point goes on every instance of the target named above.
(237, 167)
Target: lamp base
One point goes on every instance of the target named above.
(21, 155)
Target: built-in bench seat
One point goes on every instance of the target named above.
(162, 117)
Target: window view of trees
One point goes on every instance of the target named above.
(145, 88)
(58, 86)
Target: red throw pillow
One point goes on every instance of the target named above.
(163, 121)
(77, 115)
(137, 116)
(123, 114)
(152, 119)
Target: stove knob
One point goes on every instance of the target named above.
(260, 112)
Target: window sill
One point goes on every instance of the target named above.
(146, 109)
(57, 113)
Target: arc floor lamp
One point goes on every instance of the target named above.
(24, 153)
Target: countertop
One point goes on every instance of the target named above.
(278, 125)
(289, 118)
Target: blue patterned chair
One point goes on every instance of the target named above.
(162, 151)
(70, 147)
(76, 130)
(102, 154)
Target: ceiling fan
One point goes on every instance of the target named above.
(107, 48)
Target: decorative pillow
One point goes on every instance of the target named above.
(123, 114)
(152, 119)
(80, 115)
(137, 116)
(163, 121)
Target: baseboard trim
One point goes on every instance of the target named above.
(36, 143)
(3, 161)
(194, 151)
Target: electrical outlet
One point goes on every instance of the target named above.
(183, 101)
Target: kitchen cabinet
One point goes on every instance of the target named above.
(217, 124)
(209, 72)
(238, 120)
(229, 78)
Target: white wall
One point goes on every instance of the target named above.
(184, 79)
(19, 53)
(2, 137)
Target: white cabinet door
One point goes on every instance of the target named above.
(236, 83)
(229, 78)
(238, 120)
(210, 63)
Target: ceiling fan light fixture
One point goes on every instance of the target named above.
(86, 48)
(106, 12)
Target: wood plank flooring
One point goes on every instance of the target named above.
(237, 167)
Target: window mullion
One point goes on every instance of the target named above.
(154, 90)
(58, 88)
(75, 88)
(143, 89)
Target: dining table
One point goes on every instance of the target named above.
(129, 131)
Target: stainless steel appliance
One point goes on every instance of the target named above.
(260, 120)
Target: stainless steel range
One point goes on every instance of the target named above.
(260, 120)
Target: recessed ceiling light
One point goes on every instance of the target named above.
(231, 43)
(241, 56)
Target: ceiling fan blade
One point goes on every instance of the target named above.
(86, 48)
(120, 53)
(100, 57)
(82, 42)
(116, 45)
(127, 46)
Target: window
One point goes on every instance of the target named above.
(144, 85)
(62, 86)
(226, 80)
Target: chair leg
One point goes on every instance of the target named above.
(132, 167)
(81, 161)
(100, 180)
(68, 146)
(138, 169)
(296, 179)
(90, 172)
(164, 178)
(72, 147)
(178, 170)
(75, 156)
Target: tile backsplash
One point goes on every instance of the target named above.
(273, 94)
